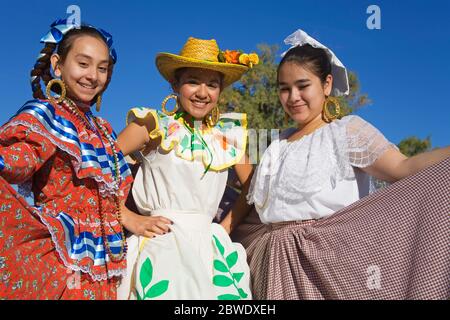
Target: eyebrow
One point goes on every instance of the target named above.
(300, 81)
(81, 55)
(193, 77)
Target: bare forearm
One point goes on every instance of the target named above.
(393, 165)
(132, 138)
(421, 161)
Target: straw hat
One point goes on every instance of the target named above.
(198, 53)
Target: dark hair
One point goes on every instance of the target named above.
(313, 59)
(41, 69)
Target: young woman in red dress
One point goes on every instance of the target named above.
(70, 244)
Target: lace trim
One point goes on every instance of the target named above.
(292, 171)
(96, 224)
(105, 188)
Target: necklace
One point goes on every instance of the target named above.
(94, 127)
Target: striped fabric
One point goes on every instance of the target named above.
(65, 131)
(85, 244)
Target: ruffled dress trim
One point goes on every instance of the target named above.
(80, 247)
(83, 251)
(295, 170)
(227, 140)
(56, 125)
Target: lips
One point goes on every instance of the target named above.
(199, 104)
(299, 108)
(87, 86)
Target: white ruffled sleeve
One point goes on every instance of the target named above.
(365, 143)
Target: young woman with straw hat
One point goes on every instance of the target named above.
(176, 252)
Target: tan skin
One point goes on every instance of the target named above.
(84, 69)
(302, 95)
(198, 91)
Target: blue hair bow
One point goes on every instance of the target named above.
(60, 27)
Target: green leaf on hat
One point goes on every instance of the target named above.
(221, 57)
(222, 281)
(232, 259)
(220, 266)
(157, 289)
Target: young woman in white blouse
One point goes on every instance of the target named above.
(317, 239)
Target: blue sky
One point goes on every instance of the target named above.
(403, 67)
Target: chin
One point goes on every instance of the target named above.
(300, 118)
(85, 99)
(198, 114)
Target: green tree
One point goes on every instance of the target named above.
(257, 95)
(412, 145)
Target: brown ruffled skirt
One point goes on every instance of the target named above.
(393, 244)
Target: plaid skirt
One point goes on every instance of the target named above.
(392, 244)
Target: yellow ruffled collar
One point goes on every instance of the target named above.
(218, 147)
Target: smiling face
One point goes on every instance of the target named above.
(85, 68)
(301, 92)
(198, 90)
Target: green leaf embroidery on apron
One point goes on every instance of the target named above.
(242, 293)
(145, 277)
(157, 289)
(224, 280)
(219, 245)
(232, 259)
(238, 276)
(220, 266)
(228, 297)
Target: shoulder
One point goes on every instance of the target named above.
(155, 120)
(142, 113)
(43, 112)
(353, 124)
(350, 119)
(38, 106)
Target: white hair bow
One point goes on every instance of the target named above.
(338, 71)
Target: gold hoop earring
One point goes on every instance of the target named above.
(62, 96)
(98, 104)
(326, 113)
(163, 105)
(213, 117)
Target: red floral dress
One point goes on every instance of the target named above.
(54, 249)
